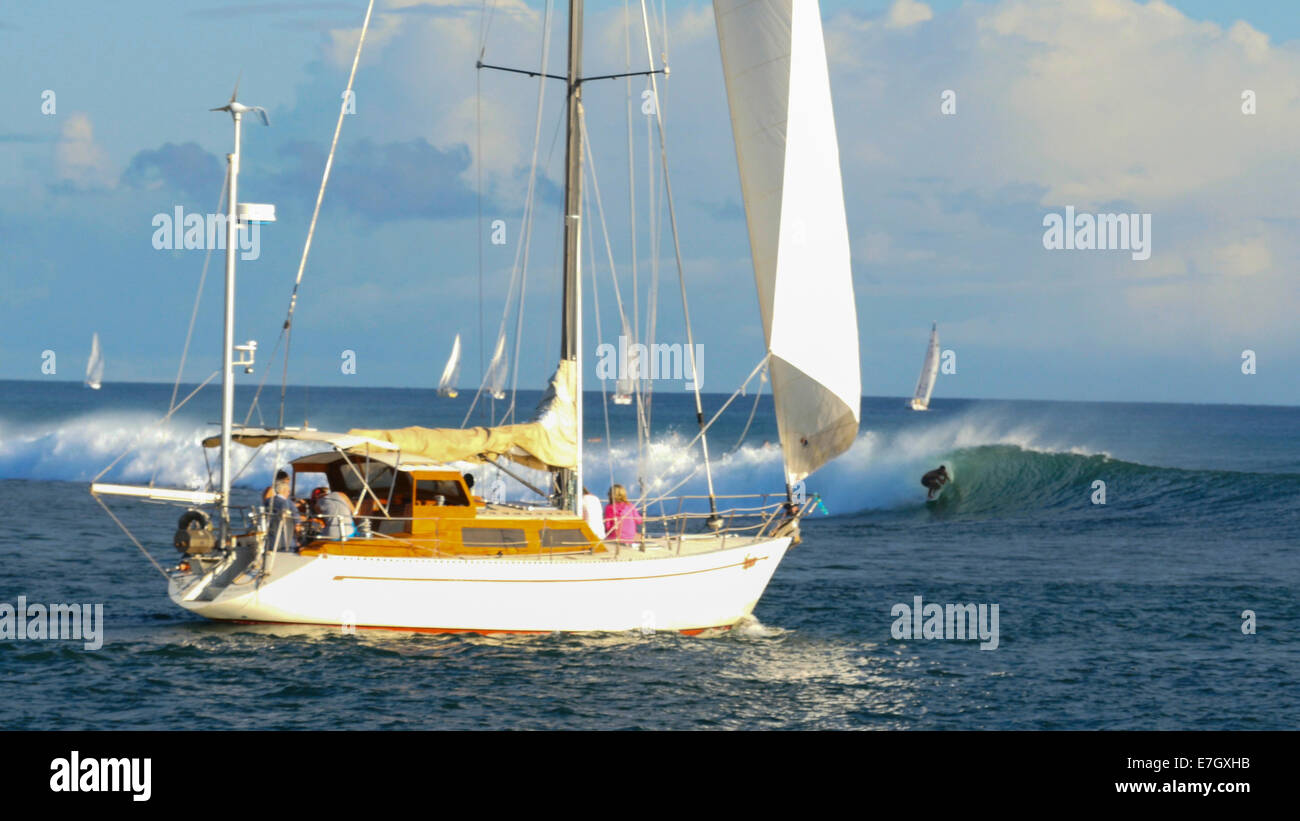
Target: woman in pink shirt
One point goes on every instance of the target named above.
(621, 516)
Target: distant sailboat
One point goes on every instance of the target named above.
(929, 370)
(95, 365)
(495, 382)
(451, 373)
(626, 386)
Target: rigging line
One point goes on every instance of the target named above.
(130, 536)
(194, 315)
(248, 462)
(165, 417)
(681, 277)
(486, 27)
(645, 391)
(609, 251)
(704, 427)
(478, 162)
(600, 340)
(532, 181)
(270, 360)
(754, 409)
(631, 167)
(526, 218)
(600, 210)
(320, 196)
(642, 420)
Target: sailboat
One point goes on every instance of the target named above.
(625, 386)
(929, 370)
(451, 373)
(494, 382)
(428, 555)
(95, 365)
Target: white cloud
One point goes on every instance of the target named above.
(78, 159)
(1107, 105)
(904, 13)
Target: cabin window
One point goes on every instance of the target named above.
(379, 477)
(493, 537)
(564, 537)
(451, 491)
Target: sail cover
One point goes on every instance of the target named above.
(546, 443)
(778, 88)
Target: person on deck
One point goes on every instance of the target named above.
(474, 498)
(283, 519)
(622, 519)
(591, 511)
(270, 491)
(336, 510)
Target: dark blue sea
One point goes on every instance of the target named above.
(1123, 614)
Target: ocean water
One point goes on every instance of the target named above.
(1126, 614)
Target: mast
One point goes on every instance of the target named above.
(228, 335)
(570, 480)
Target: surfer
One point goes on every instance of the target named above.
(934, 480)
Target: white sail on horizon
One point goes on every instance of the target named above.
(451, 373)
(778, 92)
(95, 365)
(495, 380)
(625, 387)
(929, 370)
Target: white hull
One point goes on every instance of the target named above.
(918, 405)
(655, 589)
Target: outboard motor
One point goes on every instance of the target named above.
(194, 534)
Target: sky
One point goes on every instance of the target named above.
(1102, 106)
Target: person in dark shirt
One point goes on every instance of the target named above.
(934, 480)
(283, 518)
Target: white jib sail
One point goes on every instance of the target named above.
(778, 89)
(929, 370)
(451, 373)
(495, 381)
(95, 365)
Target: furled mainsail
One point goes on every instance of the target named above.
(546, 443)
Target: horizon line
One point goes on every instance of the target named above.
(900, 397)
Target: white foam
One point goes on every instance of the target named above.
(880, 470)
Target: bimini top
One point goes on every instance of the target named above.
(256, 437)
